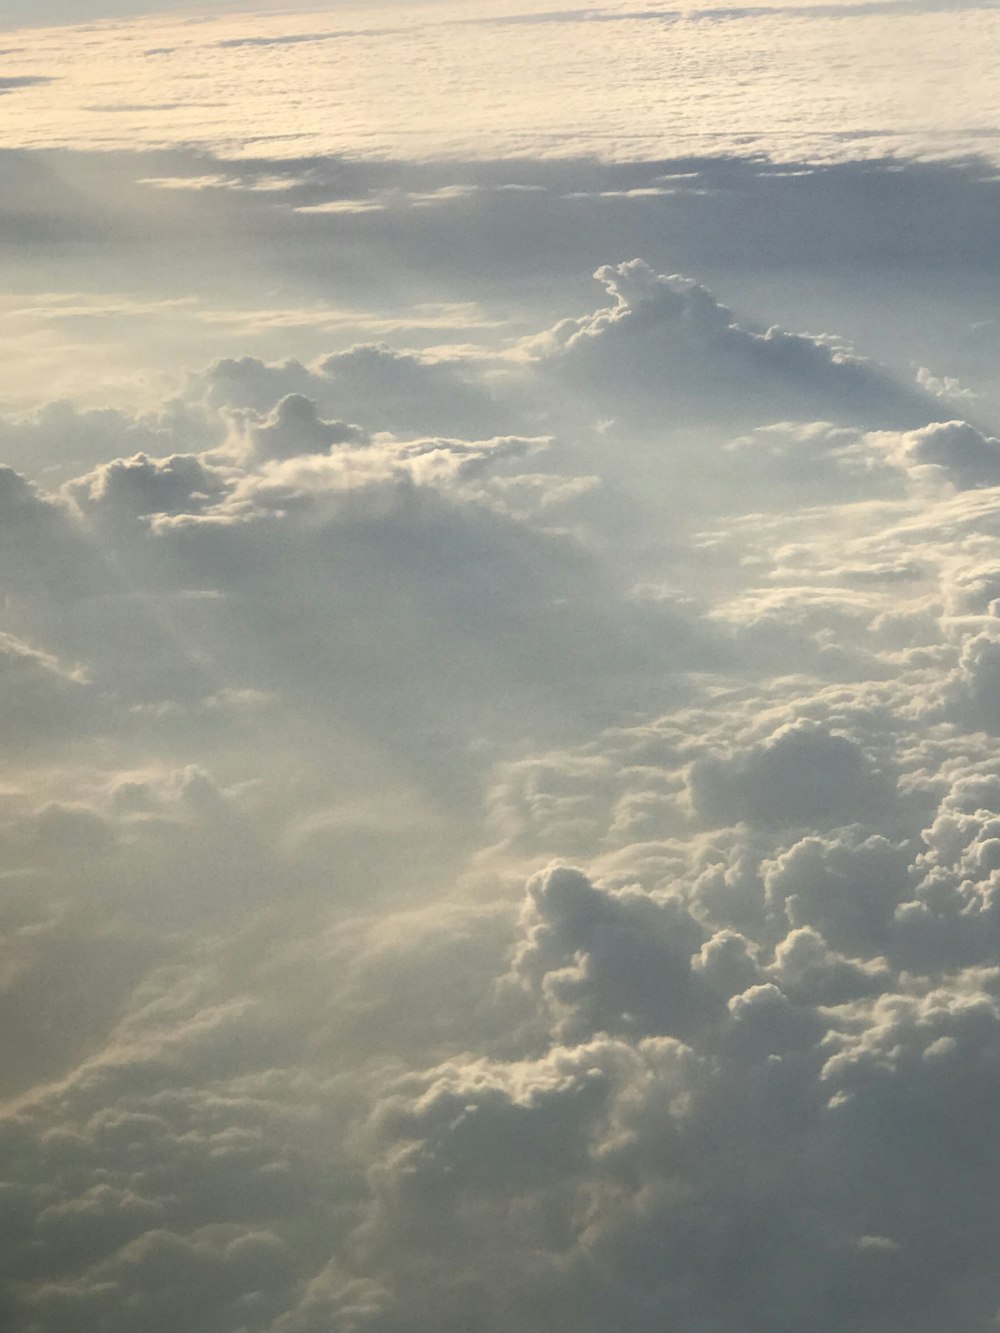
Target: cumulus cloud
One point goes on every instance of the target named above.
(502, 834)
(382, 388)
(294, 427)
(666, 340)
(802, 774)
(954, 450)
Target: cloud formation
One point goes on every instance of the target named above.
(499, 812)
(851, 81)
(414, 906)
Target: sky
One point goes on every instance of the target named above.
(499, 667)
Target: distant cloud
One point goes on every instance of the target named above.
(853, 81)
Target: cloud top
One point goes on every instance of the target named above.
(813, 81)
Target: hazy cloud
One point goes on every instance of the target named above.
(499, 812)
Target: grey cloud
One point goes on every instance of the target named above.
(665, 339)
(971, 692)
(957, 450)
(785, 462)
(498, 865)
(58, 441)
(847, 888)
(801, 775)
(43, 550)
(162, 1278)
(294, 427)
(381, 388)
(609, 962)
(41, 698)
(10, 83)
(134, 487)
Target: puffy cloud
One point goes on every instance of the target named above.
(131, 488)
(59, 440)
(459, 874)
(506, 834)
(801, 775)
(609, 962)
(972, 690)
(374, 384)
(953, 449)
(845, 887)
(294, 427)
(667, 341)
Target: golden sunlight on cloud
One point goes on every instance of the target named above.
(616, 81)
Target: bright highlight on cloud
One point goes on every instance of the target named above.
(617, 80)
(499, 679)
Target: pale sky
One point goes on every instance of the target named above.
(499, 668)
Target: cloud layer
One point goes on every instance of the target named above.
(827, 82)
(504, 836)
(500, 670)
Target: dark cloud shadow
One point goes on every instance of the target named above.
(13, 82)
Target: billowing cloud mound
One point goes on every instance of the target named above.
(504, 837)
(953, 450)
(383, 388)
(667, 341)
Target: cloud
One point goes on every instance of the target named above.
(605, 962)
(953, 449)
(58, 440)
(139, 486)
(380, 387)
(40, 698)
(666, 340)
(836, 87)
(801, 775)
(503, 834)
(293, 427)
(10, 83)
